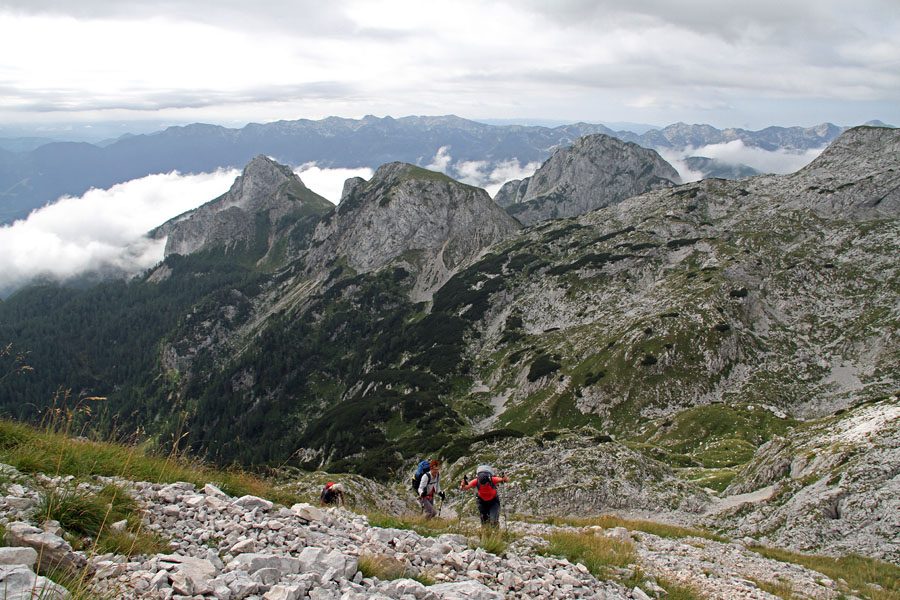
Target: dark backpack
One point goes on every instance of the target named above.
(485, 478)
(423, 468)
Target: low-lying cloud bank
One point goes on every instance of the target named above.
(779, 162)
(104, 231)
(329, 183)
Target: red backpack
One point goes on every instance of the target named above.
(485, 484)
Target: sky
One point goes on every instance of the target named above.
(95, 69)
(728, 64)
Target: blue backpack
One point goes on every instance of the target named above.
(423, 468)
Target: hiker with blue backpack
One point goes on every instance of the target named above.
(488, 500)
(426, 483)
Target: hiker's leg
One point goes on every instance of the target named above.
(495, 512)
(428, 507)
(484, 511)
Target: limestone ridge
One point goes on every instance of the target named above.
(419, 219)
(870, 154)
(596, 171)
(266, 191)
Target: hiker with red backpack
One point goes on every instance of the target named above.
(331, 493)
(488, 500)
(429, 485)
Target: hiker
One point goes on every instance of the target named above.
(429, 485)
(488, 500)
(331, 493)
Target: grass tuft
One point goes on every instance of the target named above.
(660, 529)
(387, 568)
(601, 555)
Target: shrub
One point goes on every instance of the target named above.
(542, 365)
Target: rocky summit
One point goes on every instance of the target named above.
(265, 197)
(405, 215)
(595, 171)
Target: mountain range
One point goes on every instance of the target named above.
(31, 178)
(672, 341)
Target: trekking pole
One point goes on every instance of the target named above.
(462, 502)
(503, 508)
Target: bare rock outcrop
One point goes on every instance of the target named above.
(596, 171)
(422, 220)
(265, 193)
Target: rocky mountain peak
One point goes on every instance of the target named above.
(423, 219)
(266, 192)
(596, 171)
(260, 181)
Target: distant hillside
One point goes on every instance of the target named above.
(30, 179)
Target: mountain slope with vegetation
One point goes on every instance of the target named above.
(662, 341)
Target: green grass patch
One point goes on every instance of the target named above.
(860, 573)
(780, 588)
(679, 591)
(495, 540)
(714, 479)
(660, 529)
(387, 568)
(89, 515)
(601, 555)
(52, 452)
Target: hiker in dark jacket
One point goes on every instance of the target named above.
(488, 500)
(429, 485)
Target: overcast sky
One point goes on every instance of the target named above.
(740, 64)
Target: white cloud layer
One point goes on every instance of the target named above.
(103, 230)
(737, 153)
(329, 183)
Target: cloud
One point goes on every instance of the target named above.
(765, 161)
(441, 160)
(103, 230)
(481, 173)
(737, 153)
(649, 60)
(329, 183)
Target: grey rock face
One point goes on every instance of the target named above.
(265, 190)
(837, 486)
(422, 220)
(870, 154)
(18, 582)
(594, 172)
(54, 552)
(511, 193)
